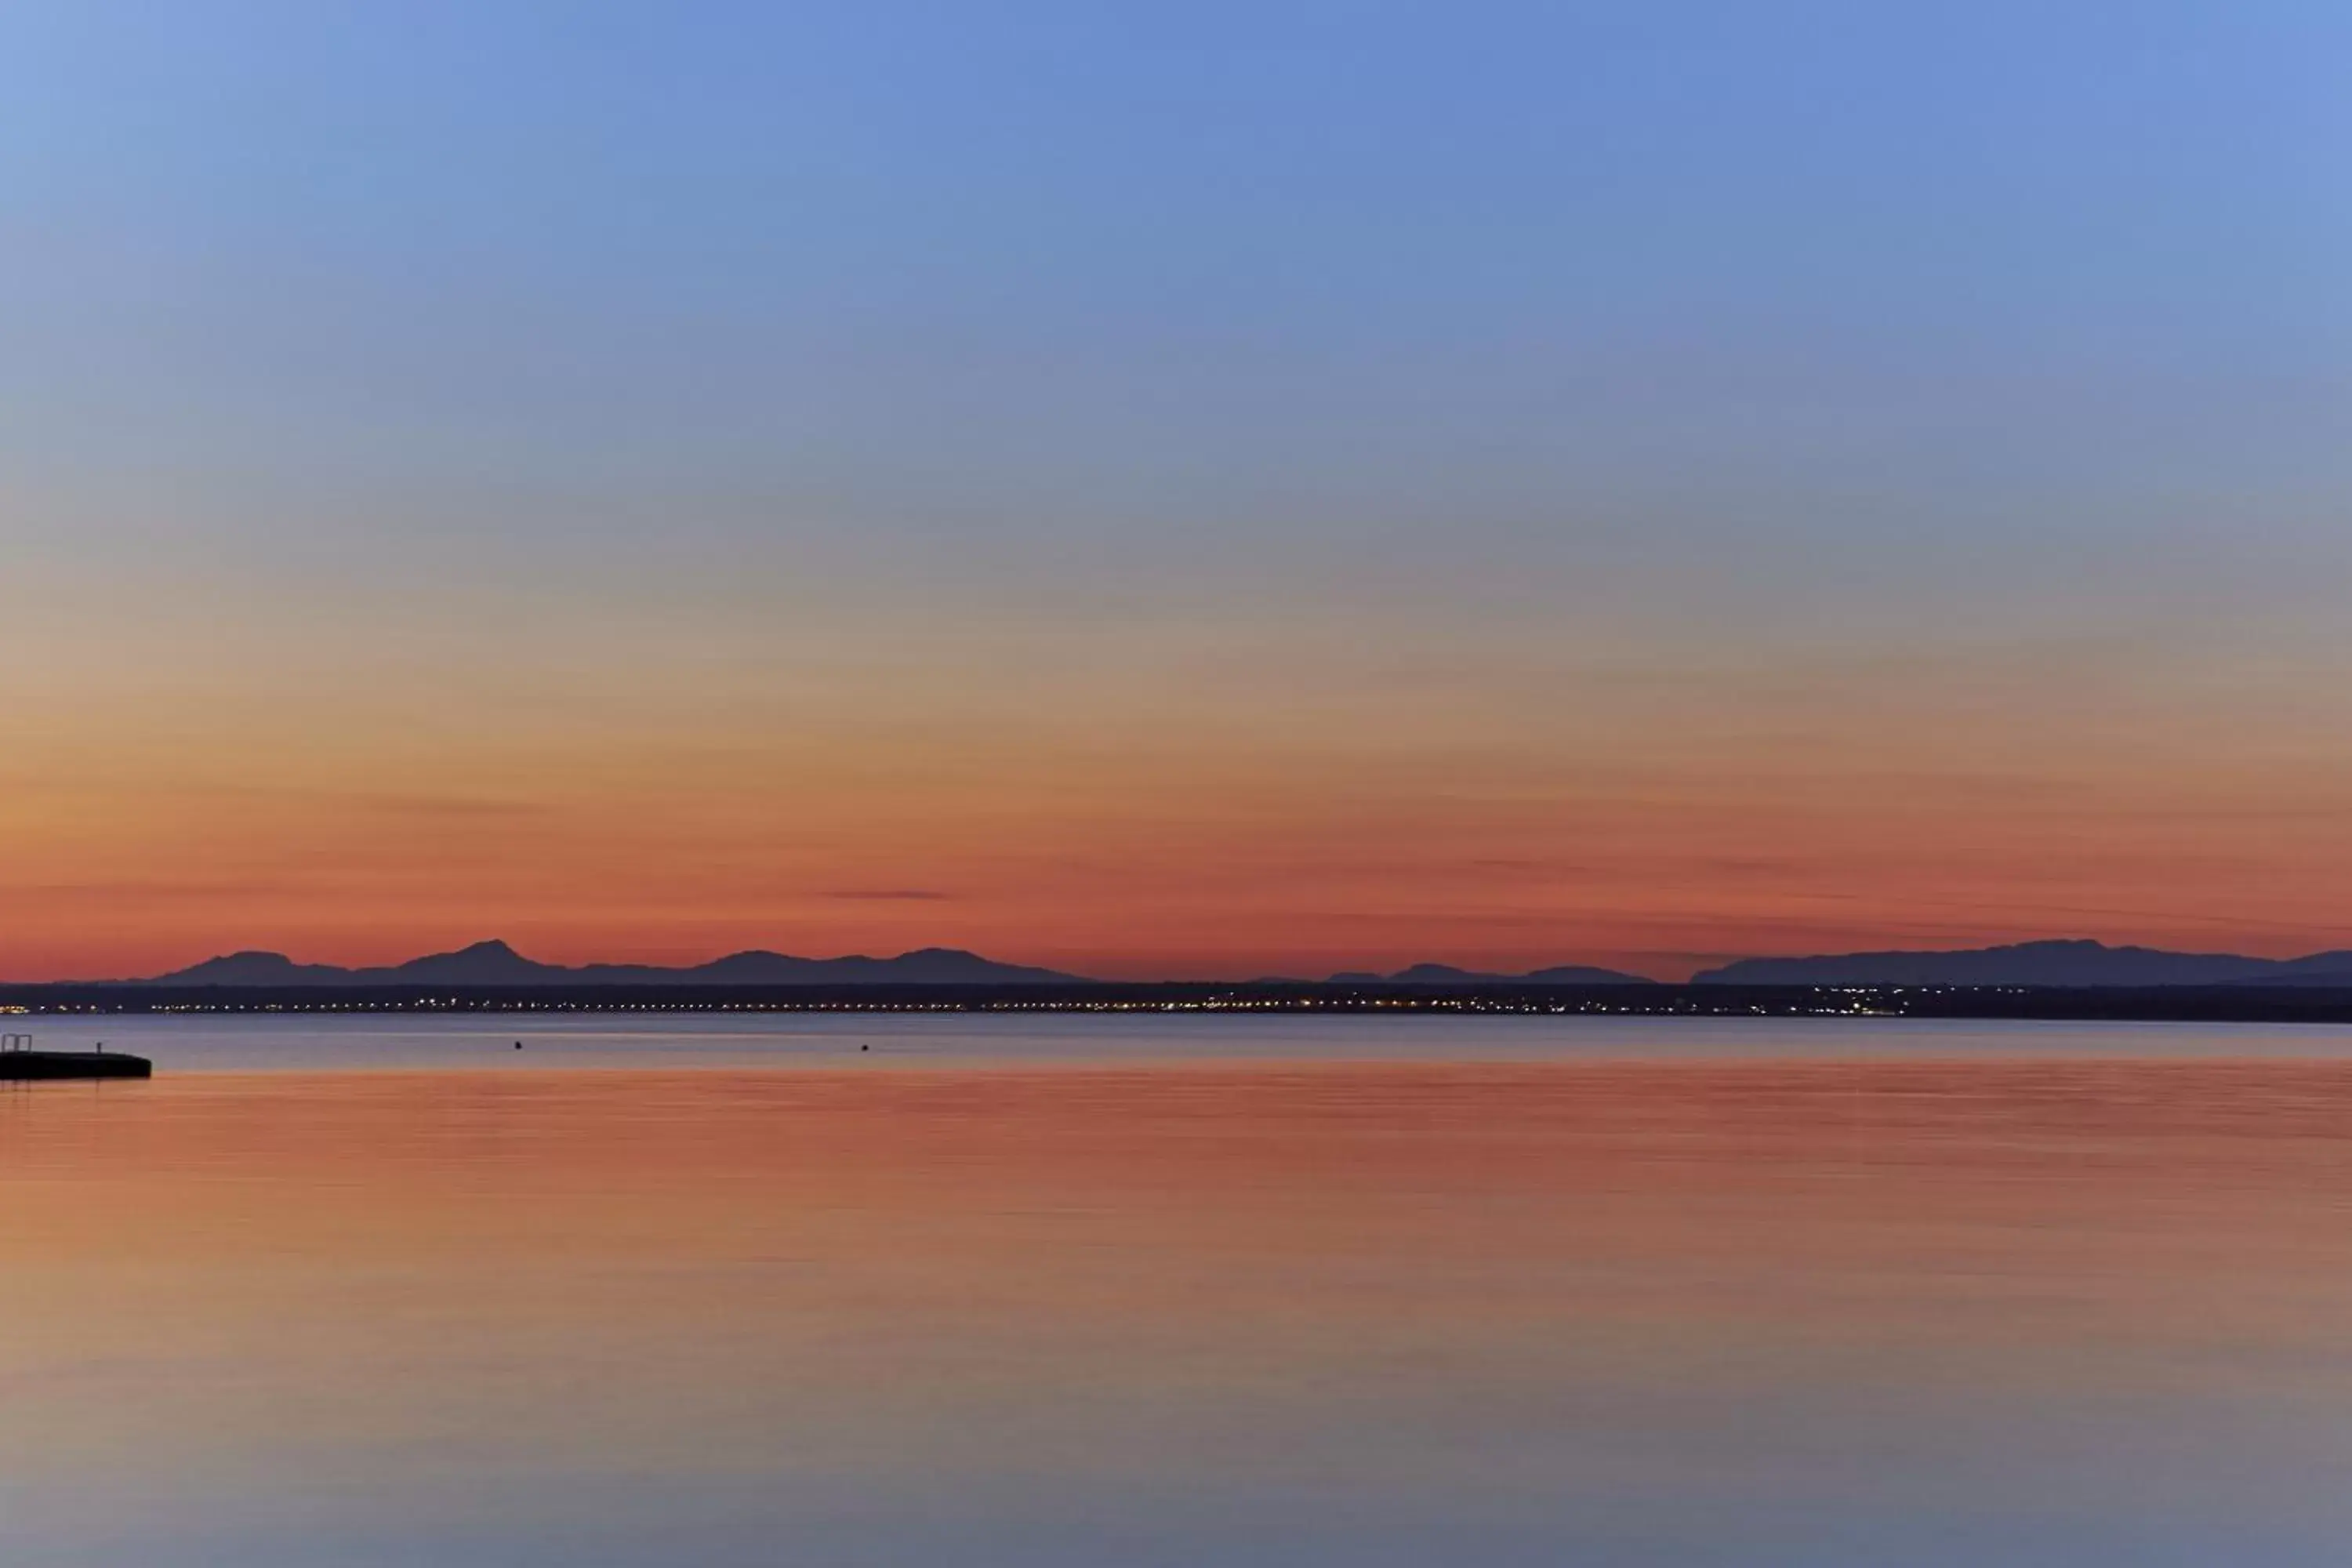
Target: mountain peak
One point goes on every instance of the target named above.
(252, 966)
(484, 964)
(1450, 974)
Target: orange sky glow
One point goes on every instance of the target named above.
(1166, 796)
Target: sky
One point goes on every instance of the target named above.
(1211, 489)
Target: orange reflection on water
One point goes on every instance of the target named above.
(421, 1280)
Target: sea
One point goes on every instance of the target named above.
(1089, 1290)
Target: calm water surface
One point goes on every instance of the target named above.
(1080, 1291)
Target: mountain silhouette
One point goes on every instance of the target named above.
(497, 964)
(484, 964)
(255, 969)
(2317, 969)
(2077, 964)
(2062, 964)
(1447, 974)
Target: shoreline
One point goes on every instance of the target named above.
(2178, 1004)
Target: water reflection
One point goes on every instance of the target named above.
(1698, 1312)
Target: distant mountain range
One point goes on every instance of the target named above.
(2076, 963)
(496, 963)
(2065, 964)
(1446, 974)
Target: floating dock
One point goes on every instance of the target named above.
(19, 1063)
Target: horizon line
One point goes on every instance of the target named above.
(495, 947)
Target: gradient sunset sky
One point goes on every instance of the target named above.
(1200, 489)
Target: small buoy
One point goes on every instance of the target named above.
(865, 1048)
(518, 1045)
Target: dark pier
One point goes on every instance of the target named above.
(20, 1063)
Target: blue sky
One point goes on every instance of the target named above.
(1320, 270)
